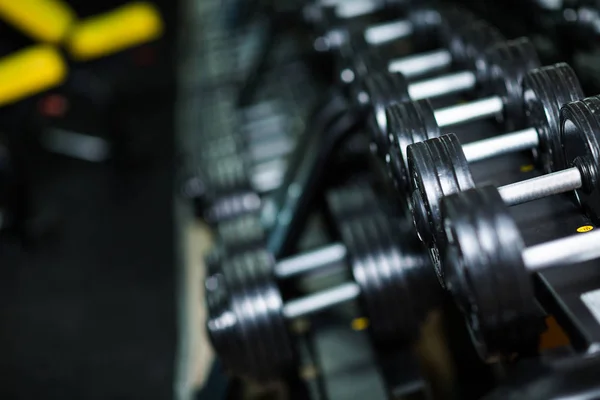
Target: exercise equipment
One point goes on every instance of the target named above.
(488, 268)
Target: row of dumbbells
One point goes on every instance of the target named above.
(476, 247)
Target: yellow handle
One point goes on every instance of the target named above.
(133, 24)
(30, 71)
(44, 20)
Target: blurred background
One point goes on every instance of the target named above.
(88, 289)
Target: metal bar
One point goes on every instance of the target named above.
(495, 146)
(387, 32)
(333, 254)
(542, 186)
(572, 249)
(442, 86)
(474, 110)
(320, 301)
(421, 64)
(355, 8)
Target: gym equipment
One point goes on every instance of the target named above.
(439, 167)
(467, 47)
(248, 317)
(488, 268)
(413, 122)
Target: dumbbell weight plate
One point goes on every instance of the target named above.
(485, 268)
(507, 66)
(469, 44)
(390, 277)
(410, 122)
(434, 164)
(545, 91)
(580, 129)
(384, 89)
(444, 170)
(255, 308)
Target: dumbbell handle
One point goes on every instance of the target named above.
(542, 186)
(320, 301)
(453, 83)
(353, 9)
(331, 255)
(388, 31)
(421, 64)
(473, 110)
(573, 249)
(525, 139)
(569, 250)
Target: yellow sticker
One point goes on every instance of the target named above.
(585, 228)
(527, 168)
(360, 324)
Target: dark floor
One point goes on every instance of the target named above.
(90, 313)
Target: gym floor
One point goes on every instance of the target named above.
(91, 312)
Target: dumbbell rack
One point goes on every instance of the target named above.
(568, 294)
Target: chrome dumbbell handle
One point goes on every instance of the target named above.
(471, 111)
(525, 139)
(572, 249)
(388, 31)
(542, 186)
(421, 64)
(320, 301)
(441, 86)
(331, 255)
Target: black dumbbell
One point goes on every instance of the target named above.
(467, 47)
(340, 26)
(248, 231)
(414, 122)
(393, 281)
(488, 268)
(439, 167)
(578, 137)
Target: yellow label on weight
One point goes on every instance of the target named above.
(42, 20)
(360, 324)
(128, 26)
(527, 168)
(585, 228)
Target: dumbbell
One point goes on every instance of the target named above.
(488, 268)
(248, 318)
(420, 23)
(577, 134)
(466, 47)
(248, 231)
(416, 121)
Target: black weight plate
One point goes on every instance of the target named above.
(580, 131)
(409, 122)
(477, 39)
(265, 348)
(406, 307)
(384, 89)
(545, 91)
(485, 271)
(507, 64)
(240, 233)
(453, 19)
(469, 42)
(381, 327)
(356, 235)
(426, 23)
(437, 168)
(362, 65)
